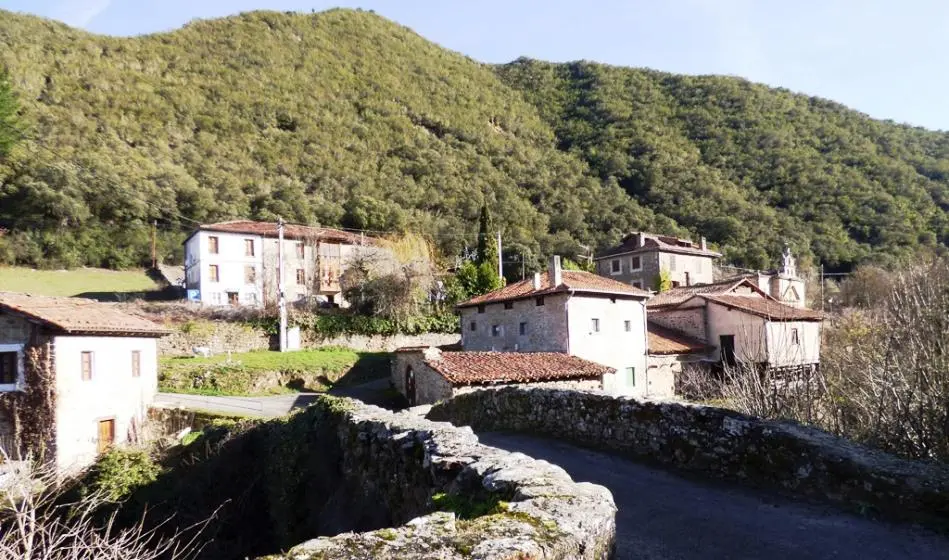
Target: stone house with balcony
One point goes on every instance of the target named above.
(572, 324)
(76, 376)
(640, 258)
(235, 263)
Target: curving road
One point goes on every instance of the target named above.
(662, 515)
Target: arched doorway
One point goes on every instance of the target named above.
(410, 385)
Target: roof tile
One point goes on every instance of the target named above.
(572, 280)
(663, 341)
(675, 296)
(485, 368)
(768, 308)
(290, 231)
(656, 242)
(77, 315)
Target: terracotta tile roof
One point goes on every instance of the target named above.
(656, 242)
(486, 368)
(675, 296)
(664, 341)
(77, 315)
(768, 308)
(572, 280)
(290, 231)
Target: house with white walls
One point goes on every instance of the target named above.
(560, 314)
(76, 376)
(236, 263)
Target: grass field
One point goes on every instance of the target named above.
(73, 282)
(261, 373)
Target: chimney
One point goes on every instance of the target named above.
(432, 353)
(704, 244)
(556, 277)
(640, 239)
(536, 280)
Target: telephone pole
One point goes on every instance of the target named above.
(500, 259)
(154, 249)
(281, 299)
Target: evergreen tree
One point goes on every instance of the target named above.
(487, 247)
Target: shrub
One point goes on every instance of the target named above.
(120, 471)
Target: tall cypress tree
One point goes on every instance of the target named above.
(487, 249)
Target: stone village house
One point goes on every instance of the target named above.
(235, 263)
(76, 376)
(640, 258)
(569, 328)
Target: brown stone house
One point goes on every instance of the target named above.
(640, 257)
(76, 376)
(428, 375)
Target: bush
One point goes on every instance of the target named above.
(120, 471)
(328, 326)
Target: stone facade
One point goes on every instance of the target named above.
(721, 443)
(432, 387)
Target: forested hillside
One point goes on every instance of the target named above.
(343, 118)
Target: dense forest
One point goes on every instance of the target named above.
(343, 118)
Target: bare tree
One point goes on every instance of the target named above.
(37, 521)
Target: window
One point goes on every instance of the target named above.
(136, 363)
(539, 301)
(628, 326)
(595, 325)
(795, 338)
(250, 275)
(481, 308)
(9, 362)
(299, 250)
(496, 330)
(672, 262)
(301, 276)
(216, 298)
(249, 247)
(86, 366)
(638, 284)
(631, 376)
(676, 283)
(213, 273)
(250, 298)
(522, 329)
(473, 326)
(615, 267)
(213, 245)
(508, 305)
(636, 263)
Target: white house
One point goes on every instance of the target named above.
(76, 376)
(235, 263)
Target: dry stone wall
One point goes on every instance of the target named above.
(719, 442)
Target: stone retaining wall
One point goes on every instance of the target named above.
(226, 336)
(723, 443)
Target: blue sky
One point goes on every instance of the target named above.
(884, 58)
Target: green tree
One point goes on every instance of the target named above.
(9, 126)
(487, 246)
(663, 281)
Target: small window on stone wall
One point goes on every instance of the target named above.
(522, 328)
(496, 330)
(539, 301)
(473, 327)
(508, 305)
(481, 309)
(8, 367)
(615, 266)
(636, 263)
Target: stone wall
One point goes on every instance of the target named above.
(228, 336)
(364, 482)
(717, 442)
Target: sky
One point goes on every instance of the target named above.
(884, 58)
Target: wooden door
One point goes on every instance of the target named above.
(727, 346)
(106, 435)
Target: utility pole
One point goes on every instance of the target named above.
(822, 287)
(281, 299)
(522, 265)
(154, 250)
(500, 259)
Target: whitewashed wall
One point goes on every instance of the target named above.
(111, 393)
(782, 350)
(749, 331)
(613, 346)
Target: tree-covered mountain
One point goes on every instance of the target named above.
(343, 118)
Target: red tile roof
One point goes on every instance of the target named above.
(664, 341)
(486, 368)
(675, 296)
(656, 242)
(572, 280)
(290, 231)
(77, 315)
(768, 308)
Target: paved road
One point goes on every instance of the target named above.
(373, 392)
(662, 515)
